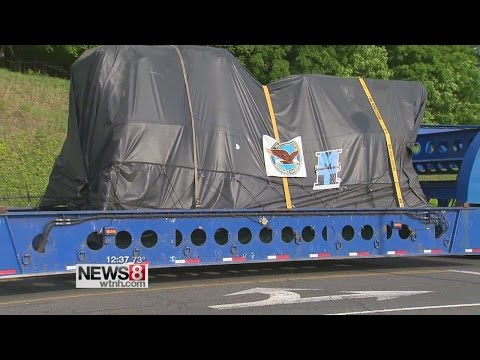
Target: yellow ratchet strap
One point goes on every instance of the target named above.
(388, 139)
(286, 189)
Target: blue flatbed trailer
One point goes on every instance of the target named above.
(53, 242)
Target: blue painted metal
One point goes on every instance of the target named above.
(440, 189)
(443, 149)
(297, 235)
(468, 182)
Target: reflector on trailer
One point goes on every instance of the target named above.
(235, 259)
(278, 257)
(109, 231)
(432, 251)
(187, 261)
(8, 272)
(397, 252)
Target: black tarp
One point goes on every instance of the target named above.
(130, 142)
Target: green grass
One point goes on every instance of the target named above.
(442, 177)
(438, 177)
(33, 125)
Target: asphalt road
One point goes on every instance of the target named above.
(433, 285)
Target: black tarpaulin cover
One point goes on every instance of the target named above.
(130, 141)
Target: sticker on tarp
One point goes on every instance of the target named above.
(284, 159)
(327, 169)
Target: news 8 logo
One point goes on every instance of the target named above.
(112, 275)
(137, 272)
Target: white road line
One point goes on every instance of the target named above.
(406, 309)
(281, 296)
(465, 272)
(192, 274)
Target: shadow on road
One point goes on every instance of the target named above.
(59, 283)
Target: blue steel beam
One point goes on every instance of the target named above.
(440, 189)
(468, 182)
(184, 238)
(442, 149)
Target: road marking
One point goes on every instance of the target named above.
(406, 309)
(166, 275)
(234, 283)
(465, 272)
(66, 297)
(45, 284)
(280, 296)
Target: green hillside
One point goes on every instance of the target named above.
(33, 125)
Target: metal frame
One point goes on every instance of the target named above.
(439, 231)
(444, 149)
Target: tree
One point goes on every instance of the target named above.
(49, 59)
(272, 62)
(451, 76)
(345, 60)
(77, 50)
(265, 62)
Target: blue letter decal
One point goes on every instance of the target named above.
(327, 169)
